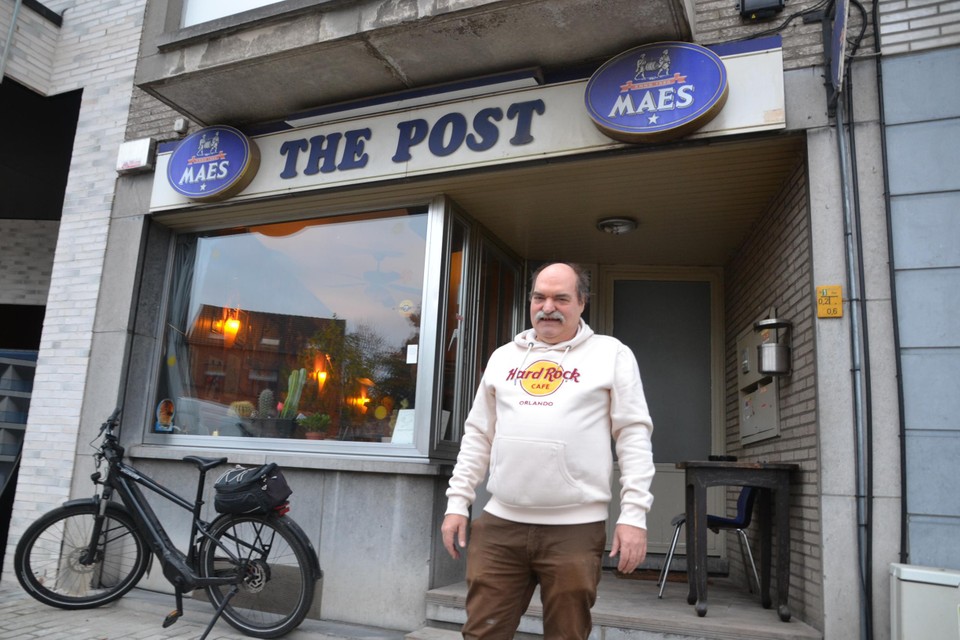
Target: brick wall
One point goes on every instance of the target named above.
(916, 25)
(720, 21)
(773, 269)
(26, 256)
(96, 51)
(150, 118)
(30, 59)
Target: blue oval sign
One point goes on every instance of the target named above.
(657, 92)
(214, 163)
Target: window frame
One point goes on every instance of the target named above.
(425, 424)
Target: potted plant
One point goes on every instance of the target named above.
(315, 425)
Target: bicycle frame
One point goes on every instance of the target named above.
(178, 568)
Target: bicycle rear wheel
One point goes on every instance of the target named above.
(48, 557)
(278, 585)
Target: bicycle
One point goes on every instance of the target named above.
(259, 570)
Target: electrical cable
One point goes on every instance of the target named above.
(783, 25)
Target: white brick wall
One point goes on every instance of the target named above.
(916, 25)
(30, 59)
(26, 253)
(96, 51)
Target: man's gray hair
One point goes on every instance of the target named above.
(583, 279)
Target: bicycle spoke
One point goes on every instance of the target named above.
(53, 565)
(276, 589)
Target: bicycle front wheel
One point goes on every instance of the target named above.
(50, 558)
(277, 586)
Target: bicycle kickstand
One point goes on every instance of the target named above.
(173, 616)
(223, 605)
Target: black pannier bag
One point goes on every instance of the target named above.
(251, 490)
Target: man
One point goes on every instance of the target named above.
(542, 420)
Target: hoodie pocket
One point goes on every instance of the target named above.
(532, 473)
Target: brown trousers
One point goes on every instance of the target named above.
(507, 560)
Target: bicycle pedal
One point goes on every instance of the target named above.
(172, 617)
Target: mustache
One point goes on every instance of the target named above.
(554, 315)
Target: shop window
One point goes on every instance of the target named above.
(299, 330)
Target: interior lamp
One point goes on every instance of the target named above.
(231, 325)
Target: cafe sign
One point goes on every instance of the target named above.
(213, 164)
(676, 89)
(657, 92)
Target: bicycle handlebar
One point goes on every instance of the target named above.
(112, 421)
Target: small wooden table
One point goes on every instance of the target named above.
(771, 478)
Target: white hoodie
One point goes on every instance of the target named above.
(543, 419)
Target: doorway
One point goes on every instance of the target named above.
(672, 319)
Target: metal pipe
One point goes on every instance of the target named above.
(9, 42)
(856, 355)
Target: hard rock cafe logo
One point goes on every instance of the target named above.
(657, 92)
(542, 377)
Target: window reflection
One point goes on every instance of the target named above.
(306, 329)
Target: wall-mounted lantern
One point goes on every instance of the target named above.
(759, 9)
(774, 350)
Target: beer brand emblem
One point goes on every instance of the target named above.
(213, 164)
(657, 92)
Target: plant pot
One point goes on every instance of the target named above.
(269, 427)
(313, 435)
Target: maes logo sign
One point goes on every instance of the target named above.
(213, 164)
(657, 92)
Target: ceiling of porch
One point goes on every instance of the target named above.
(694, 203)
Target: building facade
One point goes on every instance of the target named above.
(406, 166)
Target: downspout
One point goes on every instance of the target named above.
(9, 42)
(858, 342)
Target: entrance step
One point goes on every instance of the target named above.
(430, 633)
(629, 609)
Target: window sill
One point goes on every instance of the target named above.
(296, 460)
(205, 31)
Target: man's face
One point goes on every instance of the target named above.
(554, 306)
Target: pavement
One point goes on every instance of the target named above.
(139, 616)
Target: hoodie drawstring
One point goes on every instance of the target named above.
(565, 352)
(526, 354)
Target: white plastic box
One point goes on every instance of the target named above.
(924, 603)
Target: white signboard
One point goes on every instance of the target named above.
(508, 127)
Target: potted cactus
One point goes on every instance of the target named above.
(268, 421)
(294, 390)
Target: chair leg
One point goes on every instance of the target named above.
(744, 543)
(666, 563)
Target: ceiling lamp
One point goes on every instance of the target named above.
(617, 226)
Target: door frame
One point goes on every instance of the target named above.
(713, 276)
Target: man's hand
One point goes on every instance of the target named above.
(454, 530)
(630, 542)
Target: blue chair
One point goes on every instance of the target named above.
(738, 523)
